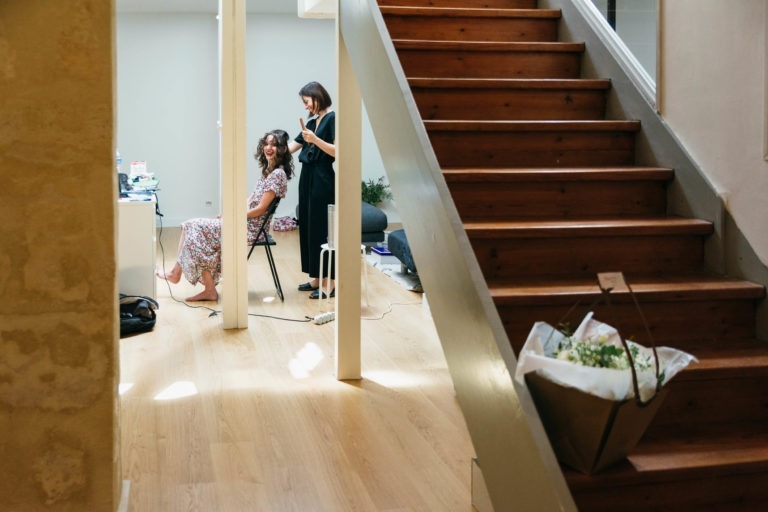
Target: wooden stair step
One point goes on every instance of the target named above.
(513, 194)
(489, 4)
(510, 99)
(725, 384)
(705, 308)
(745, 447)
(588, 228)
(469, 12)
(587, 246)
(711, 472)
(599, 84)
(737, 358)
(716, 397)
(528, 144)
(669, 288)
(489, 59)
(524, 175)
(532, 126)
(471, 24)
(488, 46)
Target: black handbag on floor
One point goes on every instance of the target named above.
(137, 314)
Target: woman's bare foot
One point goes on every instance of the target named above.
(211, 295)
(173, 277)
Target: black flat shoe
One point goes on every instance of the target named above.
(316, 294)
(306, 287)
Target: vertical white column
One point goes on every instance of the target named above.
(234, 296)
(348, 212)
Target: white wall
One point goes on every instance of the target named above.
(636, 26)
(713, 88)
(167, 107)
(168, 99)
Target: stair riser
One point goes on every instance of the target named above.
(471, 29)
(693, 403)
(692, 323)
(510, 104)
(490, 4)
(533, 149)
(549, 200)
(489, 64)
(720, 491)
(574, 256)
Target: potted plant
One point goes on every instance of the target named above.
(375, 192)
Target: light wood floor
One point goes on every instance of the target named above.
(270, 428)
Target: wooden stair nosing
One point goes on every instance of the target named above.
(470, 12)
(532, 126)
(502, 175)
(739, 358)
(660, 226)
(509, 83)
(660, 289)
(636, 470)
(486, 46)
(520, 4)
(725, 364)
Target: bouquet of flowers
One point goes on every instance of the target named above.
(595, 392)
(594, 360)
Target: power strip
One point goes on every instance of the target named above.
(324, 318)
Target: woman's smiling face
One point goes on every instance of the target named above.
(270, 148)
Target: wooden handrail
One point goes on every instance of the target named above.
(518, 465)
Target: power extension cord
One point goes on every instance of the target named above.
(324, 318)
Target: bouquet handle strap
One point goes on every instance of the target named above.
(607, 283)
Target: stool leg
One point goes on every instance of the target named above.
(323, 252)
(365, 274)
(328, 299)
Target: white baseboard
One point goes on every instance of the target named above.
(124, 495)
(481, 500)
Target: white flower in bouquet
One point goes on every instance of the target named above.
(599, 353)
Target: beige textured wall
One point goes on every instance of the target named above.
(58, 360)
(713, 88)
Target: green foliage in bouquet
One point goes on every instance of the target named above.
(599, 354)
(375, 192)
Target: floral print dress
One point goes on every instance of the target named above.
(201, 249)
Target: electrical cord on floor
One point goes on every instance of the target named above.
(214, 312)
(389, 309)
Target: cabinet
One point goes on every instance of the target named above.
(136, 253)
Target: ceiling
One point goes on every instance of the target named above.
(212, 6)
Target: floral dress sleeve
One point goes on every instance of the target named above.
(277, 182)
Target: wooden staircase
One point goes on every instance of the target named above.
(550, 194)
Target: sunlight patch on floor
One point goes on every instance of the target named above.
(179, 389)
(392, 379)
(305, 361)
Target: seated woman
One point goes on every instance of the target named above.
(199, 258)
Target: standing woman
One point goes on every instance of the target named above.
(317, 183)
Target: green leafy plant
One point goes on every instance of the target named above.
(375, 192)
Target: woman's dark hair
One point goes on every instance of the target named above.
(319, 95)
(283, 157)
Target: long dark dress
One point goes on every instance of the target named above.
(317, 189)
